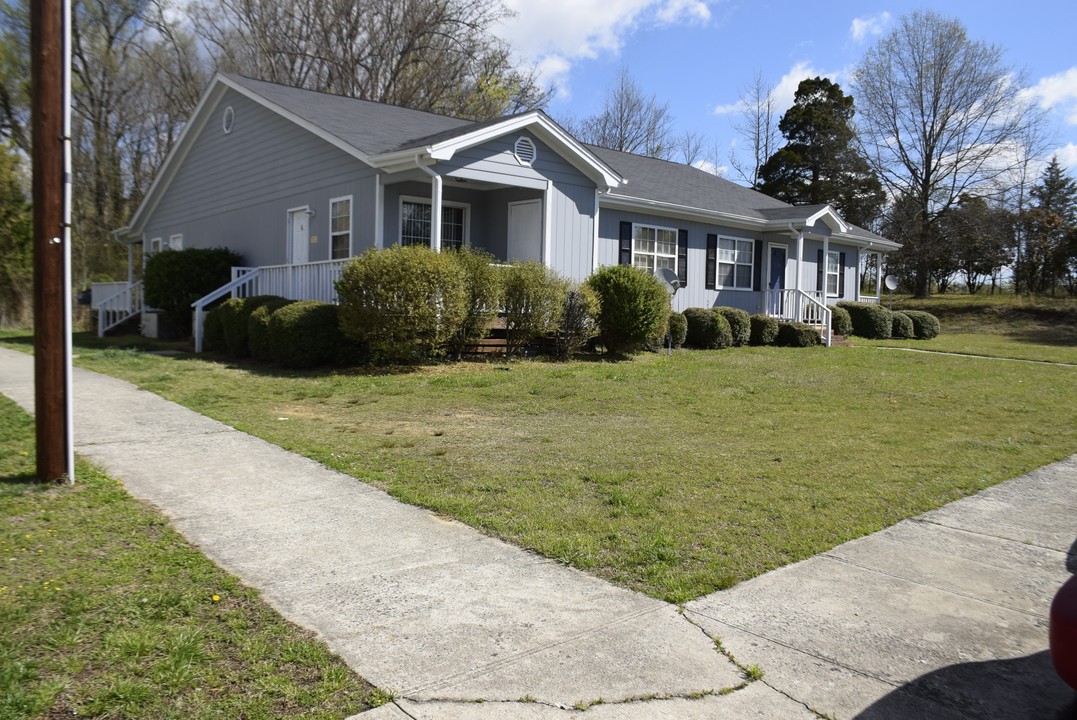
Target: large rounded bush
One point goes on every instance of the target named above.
(924, 325)
(258, 328)
(234, 314)
(484, 288)
(534, 299)
(173, 279)
(870, 320)
(634, 307)
(840, 322)
(764, 329)
(403, 303)
(740, 324)
(579, 321)
(901, 325)
(707, 329)
(678, 328)
(795, 334)
(213, 330)
(305, 334)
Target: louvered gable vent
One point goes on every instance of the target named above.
(524, 151)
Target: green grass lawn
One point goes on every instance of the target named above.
(675, 476)
(107, 612)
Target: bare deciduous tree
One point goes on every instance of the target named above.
(940, 115)
(436, 55)
(690, 147)
(630, 121)
(758, 128)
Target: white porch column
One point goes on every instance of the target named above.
(379, 212)
(800, 259)
(435, 213)
(594, 236)
(131, 264)
(547, 250)
(878, 277)
(826, 267)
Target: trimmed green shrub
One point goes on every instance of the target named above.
(707, 329)
(634, 307)
(764, 330)
(901, 325)
(740, 324)
(404, 304)
(305, 334)
(870, 320)
(483, 285)
(234, 314)
(213, 330)
(924, 325)
(258, 328)
(534, 299)
(840, 322)
(174, 279)
(579, 321)
(678, 328)
(795, 334)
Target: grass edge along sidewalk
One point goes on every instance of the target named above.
(106, 611)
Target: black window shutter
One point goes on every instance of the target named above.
(682, 257)
(757, 271)
(625, 257)
(841, 274)
(819, 284)
(712, 260)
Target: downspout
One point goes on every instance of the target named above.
(435, 205)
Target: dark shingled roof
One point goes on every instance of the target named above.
(680, 184)
(372, 128)
(375, 128)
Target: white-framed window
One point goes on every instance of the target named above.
(736, 263)
(340, 227)
(415, 219)
(833, 273)
(175, 242)
(654, 248)
(156, 245)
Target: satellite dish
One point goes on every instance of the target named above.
(891, 282)
(669, 277)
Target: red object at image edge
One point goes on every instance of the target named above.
(1064, 632)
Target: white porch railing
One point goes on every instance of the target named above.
(869, 299)
(800, 306)
(114, 309)
(308, 281)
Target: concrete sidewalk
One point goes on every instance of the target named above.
(943, 616)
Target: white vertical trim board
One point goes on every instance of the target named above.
(379, 212)
(547, 251)
(594, 235)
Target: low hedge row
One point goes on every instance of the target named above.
(740, 326)
(924, 325)
(707, 329)
(796, 334)
(869, 320)
(764, 329)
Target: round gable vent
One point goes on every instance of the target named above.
(524, 151)
(228, 120)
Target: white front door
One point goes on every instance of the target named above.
(298, 236)
(525, 230)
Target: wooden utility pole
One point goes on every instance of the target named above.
(50, 295)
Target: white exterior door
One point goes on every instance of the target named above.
(525, 230)
(298, 236)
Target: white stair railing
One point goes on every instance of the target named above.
(240, 286)
(799, 306)
(117, 308)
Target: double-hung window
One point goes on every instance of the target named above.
(736, 262)
(340, 227)
(833, 272)
(415, 220)
(654, 248)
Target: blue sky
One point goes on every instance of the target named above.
(699, 55)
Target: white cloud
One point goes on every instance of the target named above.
(784, 91)
(1067, 155)
(713, 169)
(730, 109)
(862, 28)
(553, 34)
(1058, 92)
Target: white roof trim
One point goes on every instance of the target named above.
(831, 218)
(536, 121)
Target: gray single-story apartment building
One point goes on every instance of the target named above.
(297, 182)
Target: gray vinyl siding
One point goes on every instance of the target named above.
(571, 197)
(235, 190)
(696, 293)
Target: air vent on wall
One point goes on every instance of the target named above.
(524, 151)
(228, 121)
